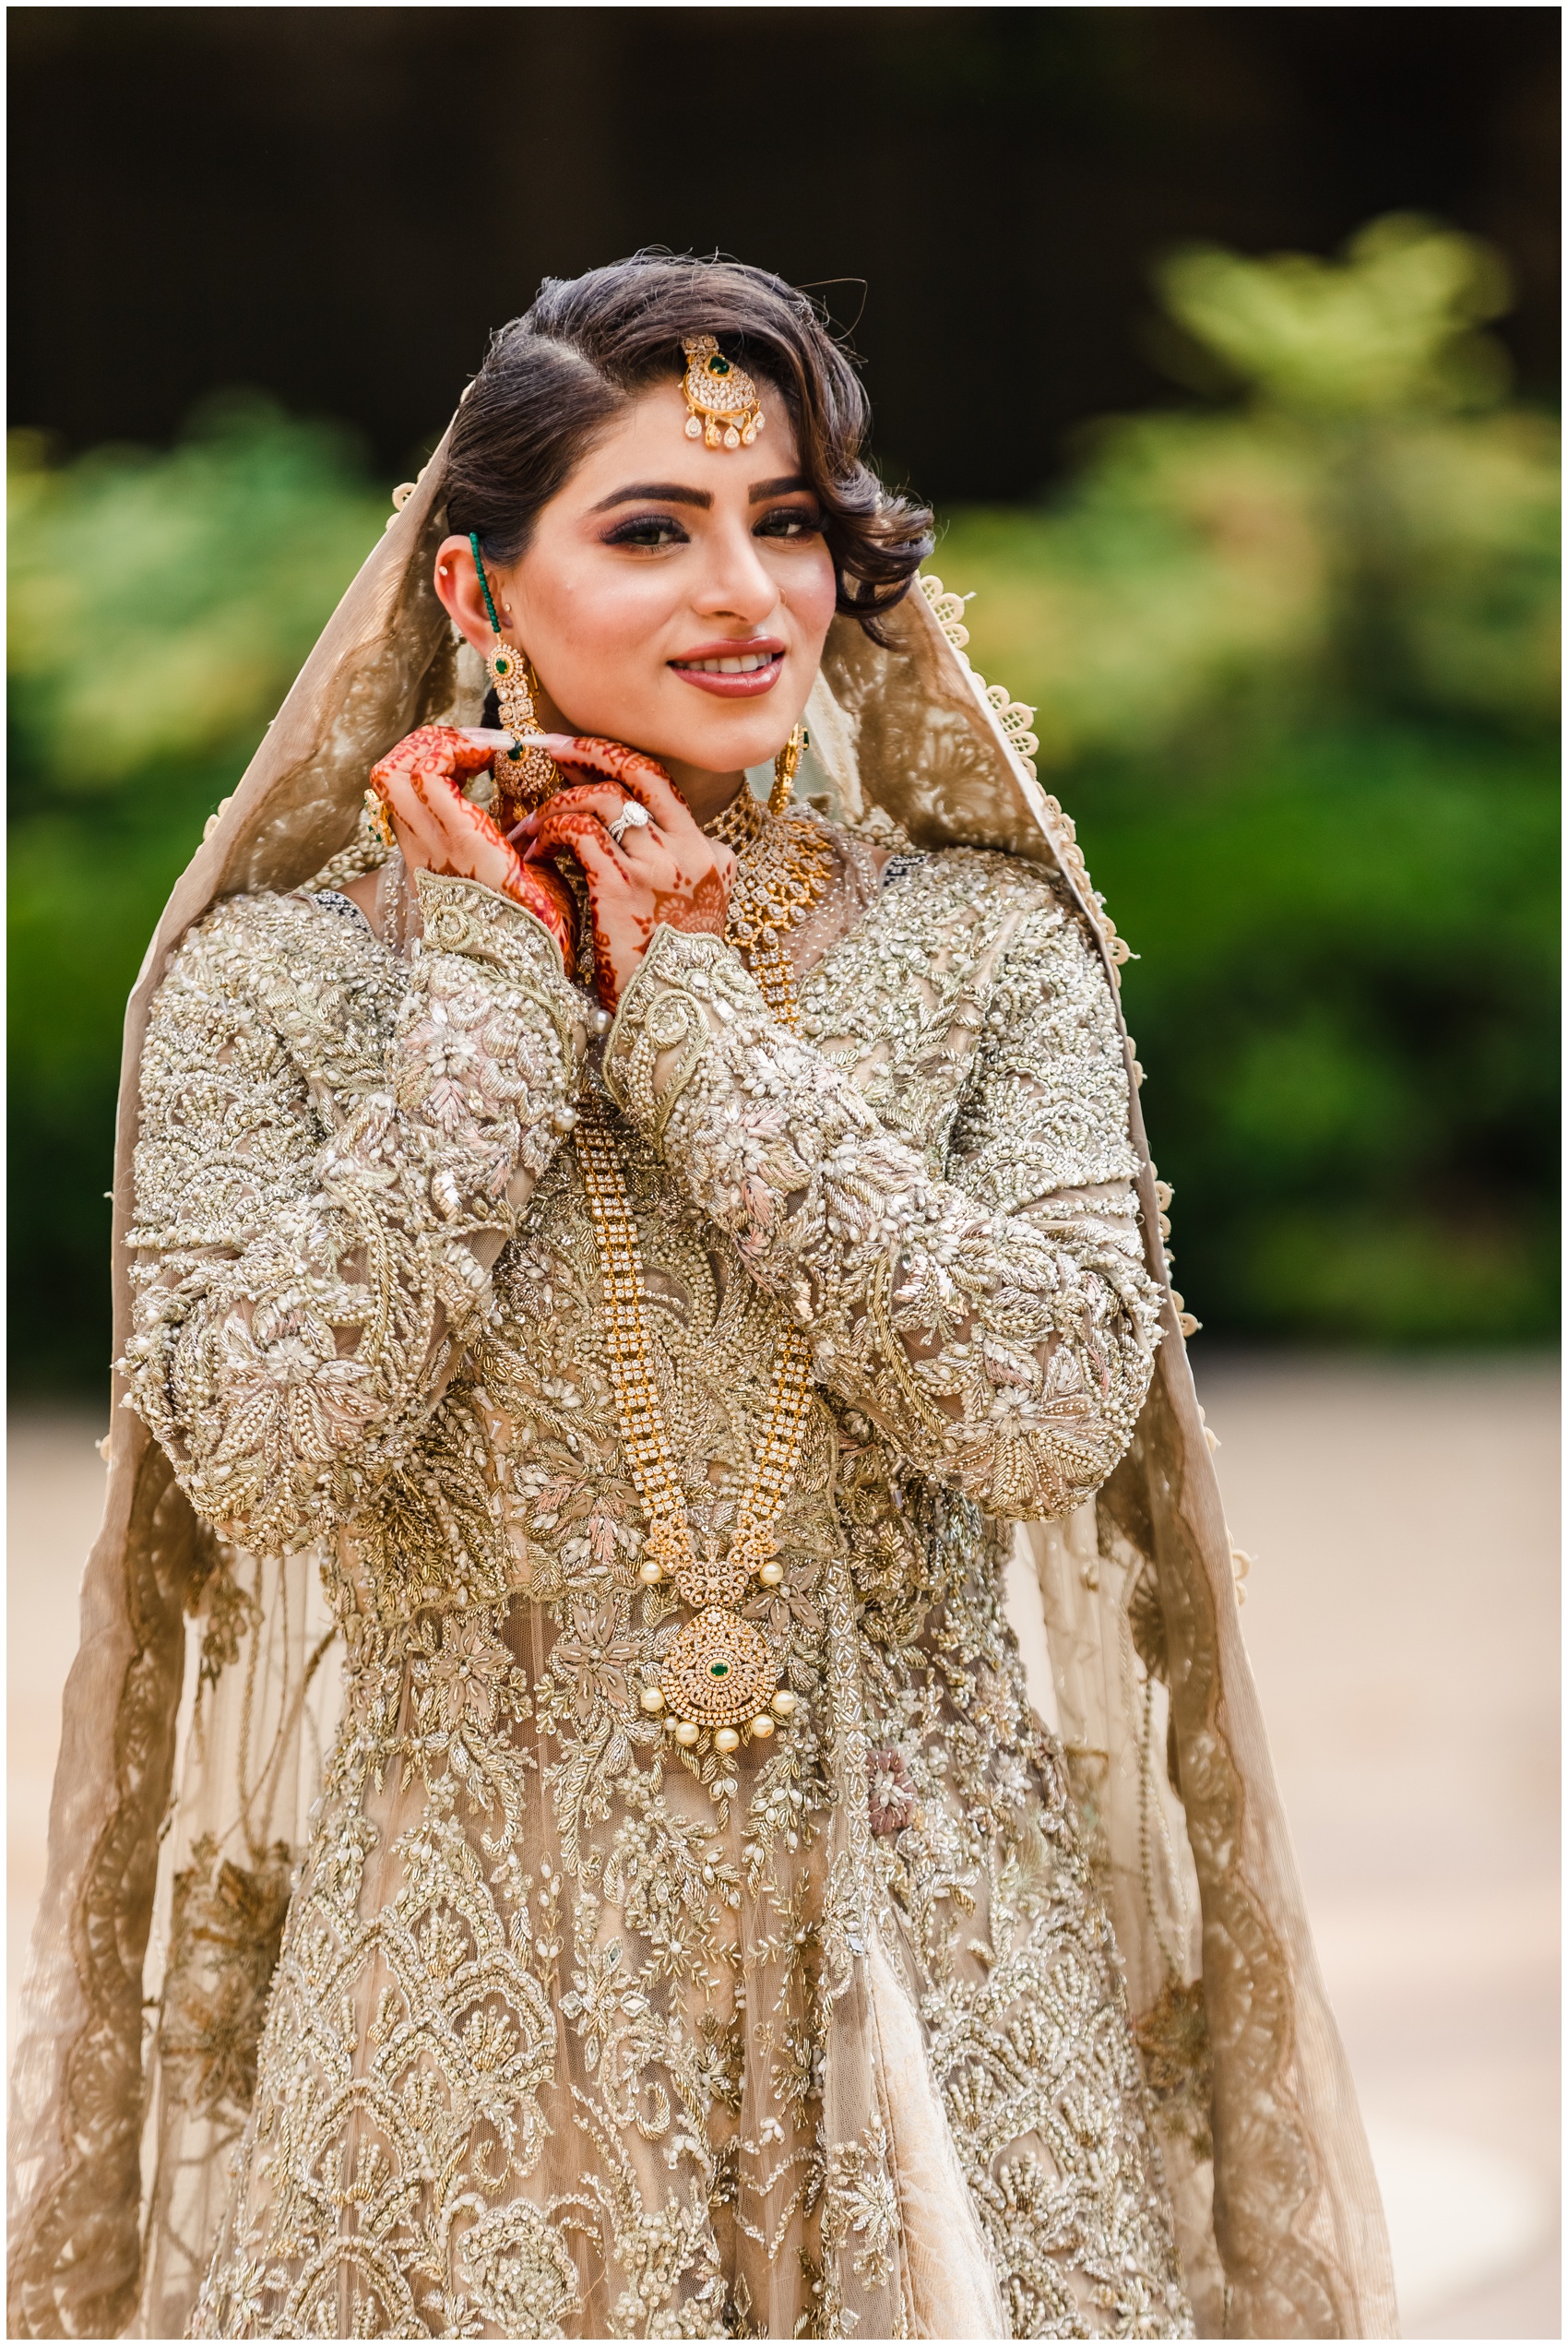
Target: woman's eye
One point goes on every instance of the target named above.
(790, 521)
(647, 530)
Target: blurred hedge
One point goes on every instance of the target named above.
(160, 607)
(1293, 652)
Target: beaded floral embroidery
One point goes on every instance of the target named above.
(561, 2039)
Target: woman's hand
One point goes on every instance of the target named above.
(421, 785)
(663, 869)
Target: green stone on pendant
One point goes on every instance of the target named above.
(718, 1669)
(719, 366)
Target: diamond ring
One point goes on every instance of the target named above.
(631, 817)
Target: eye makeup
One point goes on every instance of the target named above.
(652, 532)
(648, 530)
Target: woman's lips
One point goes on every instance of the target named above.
(715, 669)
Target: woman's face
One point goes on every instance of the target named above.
(675, 597)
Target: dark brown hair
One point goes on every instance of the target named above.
(589, 344)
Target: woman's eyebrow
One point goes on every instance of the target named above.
(655, 491)
(783, 488)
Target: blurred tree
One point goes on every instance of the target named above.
(160, 607)
(254, 197)
(1295, 662)
(1293, 657)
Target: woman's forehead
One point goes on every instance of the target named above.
(644, 449)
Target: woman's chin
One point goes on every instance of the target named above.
(707, 731)
(699, 730)
(718, 749)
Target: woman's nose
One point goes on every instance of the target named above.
(737, 583)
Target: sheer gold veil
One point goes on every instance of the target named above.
(212, 1673)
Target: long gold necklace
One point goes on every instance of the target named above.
(719, 1674)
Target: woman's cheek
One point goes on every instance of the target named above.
(811, 594)
(600, 670)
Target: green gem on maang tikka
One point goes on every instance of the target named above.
(719, 366)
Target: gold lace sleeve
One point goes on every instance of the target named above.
(1043, 1127)
(334, 1146)
(1005, 1351)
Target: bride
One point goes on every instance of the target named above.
(637, 1294)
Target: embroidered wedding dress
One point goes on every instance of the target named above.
(924, 2017)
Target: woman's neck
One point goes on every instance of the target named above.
(706, 794)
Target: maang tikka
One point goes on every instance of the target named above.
(721, 399)
(529, 776)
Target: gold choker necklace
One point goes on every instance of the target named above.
(717, 1675)
(774, 887)
(740, 822)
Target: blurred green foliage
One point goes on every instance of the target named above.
(1294, 655)
(160, 607)
(1293, 652)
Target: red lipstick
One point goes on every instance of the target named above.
(762, 655)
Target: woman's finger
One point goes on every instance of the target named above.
(422, 780)
(639, 776)
(581, 834)
(440, 751)
(444, 832)
(414, 817)
(460, 828)
(605, 800)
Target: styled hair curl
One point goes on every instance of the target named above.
(556, 376)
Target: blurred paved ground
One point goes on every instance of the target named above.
(1402, 1615)
(1403, 1619)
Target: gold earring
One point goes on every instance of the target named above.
(783, 792)
(530, 775)
(379, 821)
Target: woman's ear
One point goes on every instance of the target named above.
(458, 584)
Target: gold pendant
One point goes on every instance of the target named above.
(719, 1672)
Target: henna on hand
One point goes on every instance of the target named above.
(665, 871)
(703, 910)
(421, 784)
